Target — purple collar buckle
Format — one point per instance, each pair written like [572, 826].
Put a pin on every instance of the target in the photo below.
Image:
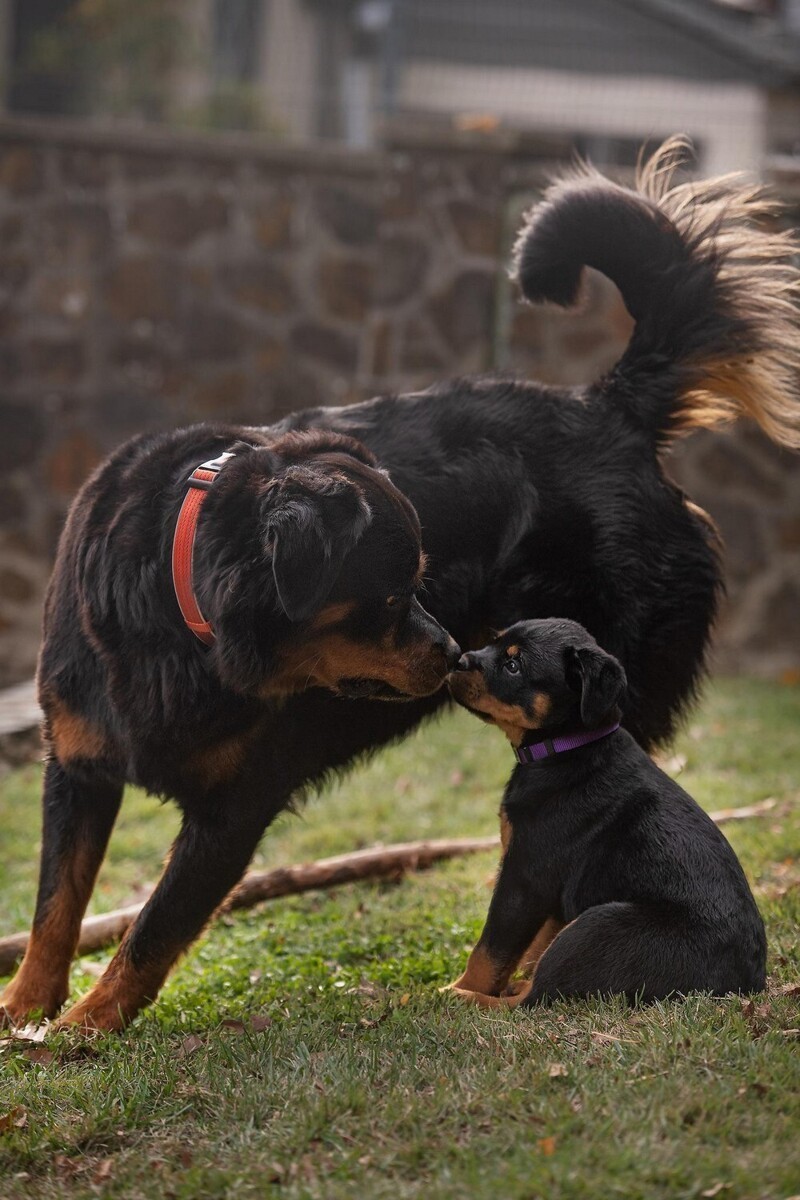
[550, 747]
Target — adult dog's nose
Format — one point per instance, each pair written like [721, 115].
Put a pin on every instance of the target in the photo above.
[452, 655]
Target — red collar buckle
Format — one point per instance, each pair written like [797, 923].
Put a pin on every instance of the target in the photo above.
[200, 481]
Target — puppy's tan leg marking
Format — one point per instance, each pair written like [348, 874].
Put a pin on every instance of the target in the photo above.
[483, 975]
[548, 932]
[513, 996]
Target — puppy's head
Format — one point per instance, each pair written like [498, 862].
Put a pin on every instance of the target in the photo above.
[334, 566]
[539, 675]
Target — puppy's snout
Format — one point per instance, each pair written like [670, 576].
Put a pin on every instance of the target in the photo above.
[467, 662]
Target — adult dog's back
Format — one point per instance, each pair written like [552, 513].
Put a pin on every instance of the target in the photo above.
[542, 501]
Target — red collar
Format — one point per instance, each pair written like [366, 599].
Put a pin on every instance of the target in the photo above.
[200, 480]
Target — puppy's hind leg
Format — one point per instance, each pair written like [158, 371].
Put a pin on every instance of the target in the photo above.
[620, 949]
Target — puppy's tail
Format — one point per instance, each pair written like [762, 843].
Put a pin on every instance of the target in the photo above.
[707, 275]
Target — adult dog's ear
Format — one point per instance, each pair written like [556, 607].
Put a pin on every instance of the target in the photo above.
[313, 518]
[599, 679]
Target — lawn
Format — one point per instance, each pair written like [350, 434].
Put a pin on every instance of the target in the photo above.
[302, 1048]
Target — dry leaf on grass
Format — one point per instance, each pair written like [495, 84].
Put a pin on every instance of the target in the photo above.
[757, 1016]
[716, 1189]
[39, 1054]
[26, 1033]
[547, 1146]
[557, 1070]
[102, 1171]
[15, 1117]
[66, 1166]
[191, 1044]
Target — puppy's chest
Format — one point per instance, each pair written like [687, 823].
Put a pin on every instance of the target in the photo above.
[539, 832]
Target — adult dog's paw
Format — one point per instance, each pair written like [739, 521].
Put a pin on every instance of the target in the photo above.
[97, 1012]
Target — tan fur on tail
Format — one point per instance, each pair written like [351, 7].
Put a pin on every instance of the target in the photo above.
[735, 225]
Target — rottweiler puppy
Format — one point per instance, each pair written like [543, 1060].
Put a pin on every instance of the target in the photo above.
[613, 880]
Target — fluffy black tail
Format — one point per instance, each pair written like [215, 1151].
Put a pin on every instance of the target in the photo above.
[708, 276]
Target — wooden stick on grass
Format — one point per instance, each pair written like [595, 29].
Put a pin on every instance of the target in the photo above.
[101, 931]
[375, 863]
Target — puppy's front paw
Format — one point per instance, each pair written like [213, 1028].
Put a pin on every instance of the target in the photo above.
[467, 996]
[516, 992]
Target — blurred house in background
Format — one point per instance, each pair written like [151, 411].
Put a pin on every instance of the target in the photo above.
[607, 75]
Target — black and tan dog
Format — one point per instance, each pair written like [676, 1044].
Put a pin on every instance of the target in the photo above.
[613, 880]
[305, 563]
[304, 574]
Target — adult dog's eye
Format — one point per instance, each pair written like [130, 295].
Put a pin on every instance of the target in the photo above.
[391, 601]
[512, 666]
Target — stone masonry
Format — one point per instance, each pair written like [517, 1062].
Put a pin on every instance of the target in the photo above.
[153, 279]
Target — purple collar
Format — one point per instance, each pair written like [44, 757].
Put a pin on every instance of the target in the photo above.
[570, 741]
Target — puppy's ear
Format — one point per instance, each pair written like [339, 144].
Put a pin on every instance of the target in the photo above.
[313, 518]
[599, 679]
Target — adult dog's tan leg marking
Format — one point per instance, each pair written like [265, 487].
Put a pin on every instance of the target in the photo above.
[42, 981]
[72, 736]
[207, 860]
[78, 818]
[116, 999]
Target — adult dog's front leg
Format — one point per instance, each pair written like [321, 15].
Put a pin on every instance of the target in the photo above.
[79, 809]
[207, 860]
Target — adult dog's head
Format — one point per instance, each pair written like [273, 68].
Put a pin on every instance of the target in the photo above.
[309, 565]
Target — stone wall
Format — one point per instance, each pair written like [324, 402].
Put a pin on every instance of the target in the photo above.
[148, 280]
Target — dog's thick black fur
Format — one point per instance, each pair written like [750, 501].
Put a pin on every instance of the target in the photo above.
[533, 501]
[613, 880]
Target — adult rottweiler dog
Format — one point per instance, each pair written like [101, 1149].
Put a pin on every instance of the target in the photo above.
[613, 880]
[304, 563]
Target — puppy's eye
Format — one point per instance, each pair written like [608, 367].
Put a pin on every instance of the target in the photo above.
[512, 666]
[391, 601]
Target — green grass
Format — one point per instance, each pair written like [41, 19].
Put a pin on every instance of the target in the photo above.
[368, 1082]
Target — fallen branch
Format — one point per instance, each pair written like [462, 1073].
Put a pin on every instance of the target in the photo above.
[101, 931]
[742, 813]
